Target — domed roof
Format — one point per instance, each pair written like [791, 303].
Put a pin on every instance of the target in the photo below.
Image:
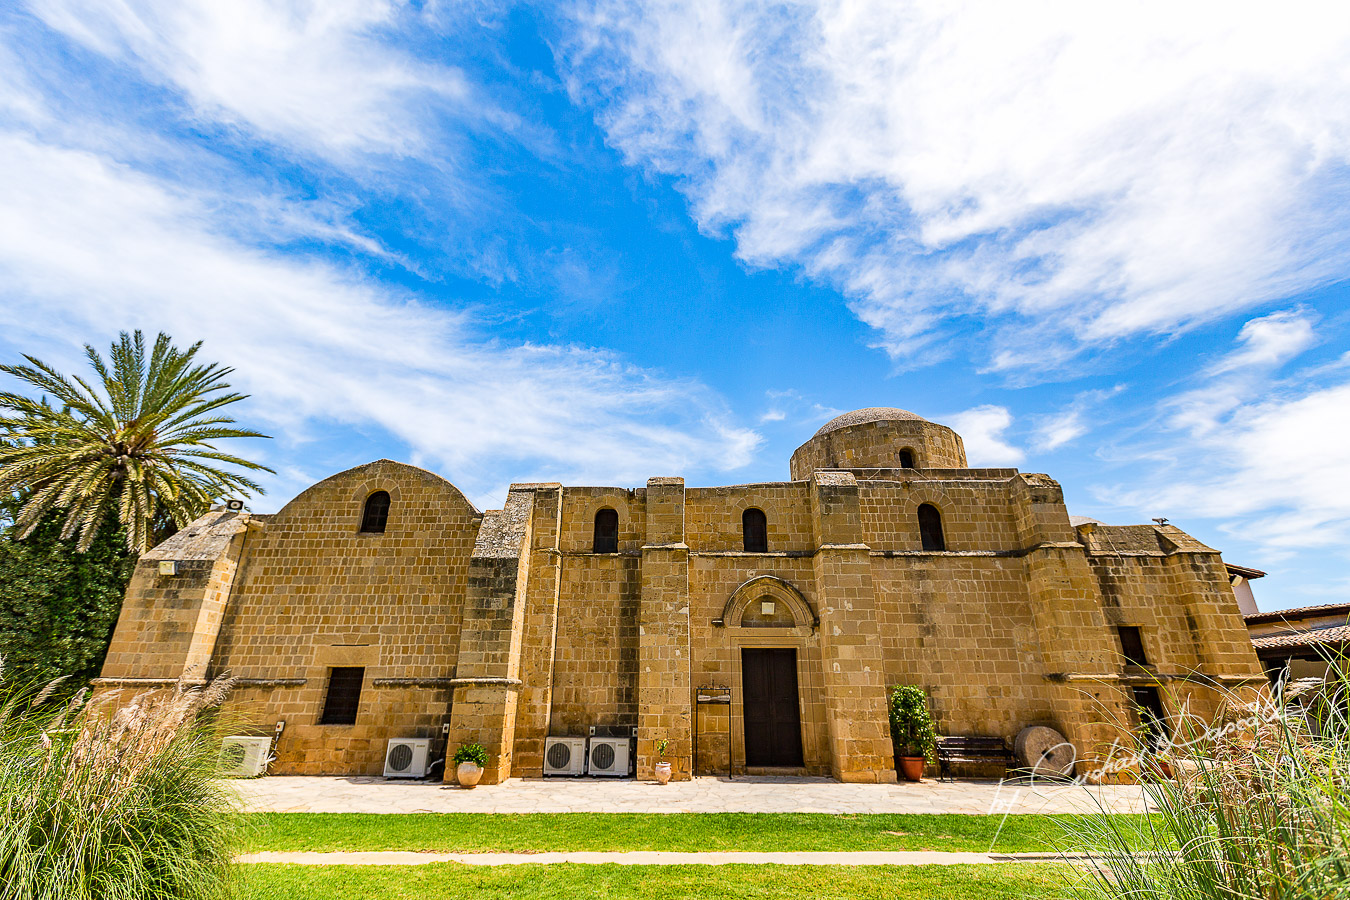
[871, 414]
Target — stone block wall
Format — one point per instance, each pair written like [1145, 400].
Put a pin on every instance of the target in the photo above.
[315, 593]
[713, 517]
[716, 646]
[595, 669]
[508, 627]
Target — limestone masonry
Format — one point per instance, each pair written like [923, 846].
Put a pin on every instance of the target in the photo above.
[381, 604]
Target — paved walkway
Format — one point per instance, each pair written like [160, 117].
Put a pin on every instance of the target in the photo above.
[649, 858]
[280, 793]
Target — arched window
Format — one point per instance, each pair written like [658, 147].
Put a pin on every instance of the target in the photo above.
[376, 515]
[755, 530]
[606, 532]
[906, 458]
[930, 528]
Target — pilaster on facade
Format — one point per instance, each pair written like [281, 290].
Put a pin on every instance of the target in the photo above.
[487, 673]
[665, 711]
[850, 639]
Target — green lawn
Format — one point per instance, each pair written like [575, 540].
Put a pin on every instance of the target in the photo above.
[446, 881]
[470, 832]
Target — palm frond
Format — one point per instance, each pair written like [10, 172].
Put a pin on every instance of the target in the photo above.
[135, 443]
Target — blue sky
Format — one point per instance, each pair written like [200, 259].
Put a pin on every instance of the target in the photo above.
[596, 243]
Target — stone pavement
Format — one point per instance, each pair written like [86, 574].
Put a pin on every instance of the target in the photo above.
[650, 858]
[764, 794]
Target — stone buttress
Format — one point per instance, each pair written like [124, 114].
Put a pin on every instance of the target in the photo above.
[487, 675]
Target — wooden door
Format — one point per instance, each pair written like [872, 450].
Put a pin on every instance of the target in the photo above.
[773, 725]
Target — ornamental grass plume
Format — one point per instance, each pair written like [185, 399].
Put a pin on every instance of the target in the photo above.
[105, 803]
[1254, 808]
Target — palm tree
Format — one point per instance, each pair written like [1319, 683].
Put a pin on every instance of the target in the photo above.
[140, 448]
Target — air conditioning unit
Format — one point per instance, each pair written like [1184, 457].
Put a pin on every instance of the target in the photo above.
[406, 757]
[565, 756]
[608, 756]
[244, 757]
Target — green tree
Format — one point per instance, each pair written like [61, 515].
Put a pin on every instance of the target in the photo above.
[135, 447]
[58, 606]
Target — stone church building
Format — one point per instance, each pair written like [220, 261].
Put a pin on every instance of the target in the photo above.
[381, 604]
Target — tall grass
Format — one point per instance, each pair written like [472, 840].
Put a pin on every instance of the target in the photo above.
[1258, 809]
[105, 803]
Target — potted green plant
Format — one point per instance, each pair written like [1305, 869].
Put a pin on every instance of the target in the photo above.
[470, 760]
[912, 730]
[662, 767]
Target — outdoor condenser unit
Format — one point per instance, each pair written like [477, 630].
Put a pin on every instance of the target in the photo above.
[244, 757]
[565, 756]
[608, 756]
[406, 757]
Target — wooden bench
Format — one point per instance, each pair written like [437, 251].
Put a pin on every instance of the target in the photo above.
[970, 749]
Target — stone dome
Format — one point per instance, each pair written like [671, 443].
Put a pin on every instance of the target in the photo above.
[870, 414]
[879, 439]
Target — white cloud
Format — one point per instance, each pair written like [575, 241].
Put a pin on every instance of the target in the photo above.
[88, 247]
[1268, 342]
[1267, 457]
[1275, 471]
[1077, 172]
[314, 75]
[983, 430]
[1061, 428]
[1055, 430]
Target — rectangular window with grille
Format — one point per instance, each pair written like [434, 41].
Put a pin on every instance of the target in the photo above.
[344, 695]
[1132, 645]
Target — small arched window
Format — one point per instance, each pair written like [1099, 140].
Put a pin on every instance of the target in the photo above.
[930, 528]
[755, 530]
[606, 532]
[906, 458]
[376, 514]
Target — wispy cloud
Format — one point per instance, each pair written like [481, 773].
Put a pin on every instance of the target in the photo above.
[1070, 173]
[1057, 429]
[320, 77]
[1269, 341]
[1265, 455]
[88, 246]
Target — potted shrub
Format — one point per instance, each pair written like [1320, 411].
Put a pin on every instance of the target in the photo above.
[662, 767]
[470, 760]
[912, 730]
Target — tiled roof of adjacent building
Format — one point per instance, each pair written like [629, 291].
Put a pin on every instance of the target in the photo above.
[871, 414]
[1298, 612]
[1339, 634]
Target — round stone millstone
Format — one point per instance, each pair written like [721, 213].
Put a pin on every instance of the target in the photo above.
[1044, 751]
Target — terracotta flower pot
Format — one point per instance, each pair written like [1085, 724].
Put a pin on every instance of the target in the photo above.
[468, 774]
[663, 773]
[911, 767]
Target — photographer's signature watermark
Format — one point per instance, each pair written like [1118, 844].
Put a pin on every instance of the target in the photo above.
[1023, 792]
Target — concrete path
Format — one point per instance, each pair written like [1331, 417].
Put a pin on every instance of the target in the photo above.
[761, 794]
[649, 858]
